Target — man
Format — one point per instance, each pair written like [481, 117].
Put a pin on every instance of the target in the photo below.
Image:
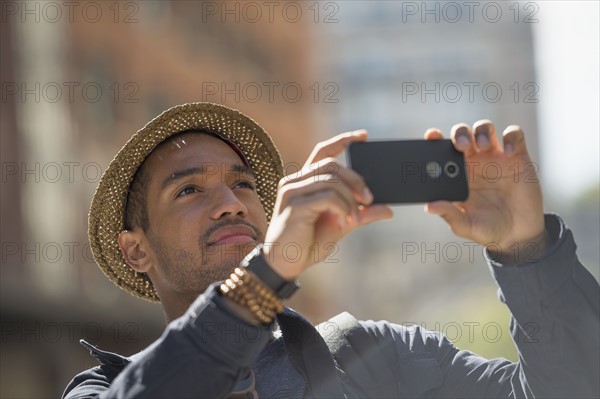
[192, 194]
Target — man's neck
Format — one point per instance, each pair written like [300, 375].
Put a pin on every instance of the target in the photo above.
[174, 308]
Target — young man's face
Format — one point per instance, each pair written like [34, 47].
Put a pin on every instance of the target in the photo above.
[203, 210]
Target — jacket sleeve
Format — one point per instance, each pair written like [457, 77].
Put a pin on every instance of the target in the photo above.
[555, 323]
[555, 306]
[201, 354]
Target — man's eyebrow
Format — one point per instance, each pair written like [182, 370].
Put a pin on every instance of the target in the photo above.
[180, 174]
[243, 169]
[201, 170]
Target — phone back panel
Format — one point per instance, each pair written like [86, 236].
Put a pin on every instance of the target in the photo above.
[410, 171]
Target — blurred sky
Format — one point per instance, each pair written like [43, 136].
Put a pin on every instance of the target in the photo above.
[567, 48]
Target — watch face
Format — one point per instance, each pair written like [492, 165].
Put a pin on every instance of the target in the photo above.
[257, 250]
[257, 264]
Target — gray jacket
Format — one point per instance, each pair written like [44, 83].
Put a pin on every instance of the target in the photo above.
[208, 352]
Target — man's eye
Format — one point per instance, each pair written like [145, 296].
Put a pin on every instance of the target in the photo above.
[244, 184]
[186, 191]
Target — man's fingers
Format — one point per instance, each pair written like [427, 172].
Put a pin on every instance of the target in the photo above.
[373, 213]
[463, 139]
[514, 141]
[433, 134]
[335, 145]
[331, 168]
[294, 193]
[485, 135]
[322, 202]
[451, 213]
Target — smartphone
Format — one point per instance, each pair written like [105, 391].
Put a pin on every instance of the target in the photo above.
[410, 171]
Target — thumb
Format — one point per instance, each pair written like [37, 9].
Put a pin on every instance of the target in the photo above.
[452, 214]
[373, 213]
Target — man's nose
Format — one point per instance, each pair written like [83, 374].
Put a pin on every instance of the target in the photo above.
[226, 203]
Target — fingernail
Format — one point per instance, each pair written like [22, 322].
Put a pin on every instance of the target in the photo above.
[367, 195]
[482, 140]
[508, 149]
[463, 141]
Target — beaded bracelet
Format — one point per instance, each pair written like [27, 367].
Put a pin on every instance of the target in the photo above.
[244, 290]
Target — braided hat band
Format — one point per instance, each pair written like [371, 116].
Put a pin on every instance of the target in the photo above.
[106, 219]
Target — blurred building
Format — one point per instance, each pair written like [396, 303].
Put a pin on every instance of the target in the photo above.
[403, 67]
[78, 80]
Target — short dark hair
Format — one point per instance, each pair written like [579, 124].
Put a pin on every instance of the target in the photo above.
[136, 204]
[136, 209]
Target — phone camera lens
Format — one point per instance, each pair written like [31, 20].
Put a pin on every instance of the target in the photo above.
[434, 170]
[451, 169]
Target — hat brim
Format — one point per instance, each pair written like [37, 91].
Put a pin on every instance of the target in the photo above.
[106, 219]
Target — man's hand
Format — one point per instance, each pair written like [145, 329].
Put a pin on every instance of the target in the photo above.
[316, 207]
[504, 211]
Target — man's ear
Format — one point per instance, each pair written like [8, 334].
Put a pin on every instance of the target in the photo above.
[130, 243]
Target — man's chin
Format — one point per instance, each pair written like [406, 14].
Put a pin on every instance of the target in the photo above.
[228, 253]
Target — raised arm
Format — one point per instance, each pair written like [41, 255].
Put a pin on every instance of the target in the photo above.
[553, 299]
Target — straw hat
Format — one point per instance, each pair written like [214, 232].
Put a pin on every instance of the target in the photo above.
[107, 212]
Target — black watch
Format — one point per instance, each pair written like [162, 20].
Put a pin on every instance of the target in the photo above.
[255, 262]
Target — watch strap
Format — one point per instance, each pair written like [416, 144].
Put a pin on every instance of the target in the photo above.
[256, 263]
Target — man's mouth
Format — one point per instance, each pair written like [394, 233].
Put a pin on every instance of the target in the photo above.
[236, 234]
